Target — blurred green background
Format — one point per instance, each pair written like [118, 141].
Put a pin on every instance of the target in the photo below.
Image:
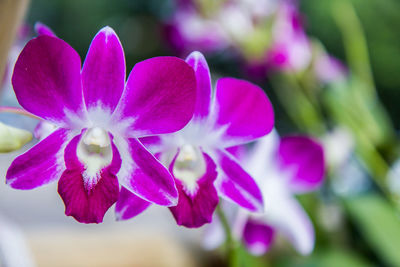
[371, 228]
[138, 25]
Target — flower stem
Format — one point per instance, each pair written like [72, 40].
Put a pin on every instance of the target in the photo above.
[19, 111]
[231, 245]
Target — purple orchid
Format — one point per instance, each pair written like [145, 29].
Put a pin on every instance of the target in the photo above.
[99, 118]
[291, 48]
[329, 69]
[212, 27]
[188, 31]
[282, 168]
[238, 112]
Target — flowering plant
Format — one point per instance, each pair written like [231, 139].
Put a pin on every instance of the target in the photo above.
[237, 113]
[94, 149]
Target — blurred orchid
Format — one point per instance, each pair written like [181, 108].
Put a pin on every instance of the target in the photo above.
[238, 112]
[282, 168]
[213, 26]
[290, 49]
[329, 69]
[188, 31]
[267, 34]
[99, 117]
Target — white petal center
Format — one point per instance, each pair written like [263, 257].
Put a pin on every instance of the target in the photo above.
[95, 152]
[189, 167]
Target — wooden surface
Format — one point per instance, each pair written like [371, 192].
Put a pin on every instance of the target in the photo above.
[109, 248]
[11, 15]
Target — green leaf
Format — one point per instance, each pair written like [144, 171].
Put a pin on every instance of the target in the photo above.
[379, 223]
[333, 258]
[245, 259]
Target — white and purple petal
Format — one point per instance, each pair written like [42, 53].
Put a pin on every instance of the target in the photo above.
[242, 110]
[103, 73]
[203, 99]
[257, 236]
[47, 80]
[42, 29]
[42, 164]
[159, 97]
[142, 174]
[214, 235]
[290, 219]
[129, 205]
[304, 158]
[88, 202]
[235, 184]
[43, 129]
[196, 207]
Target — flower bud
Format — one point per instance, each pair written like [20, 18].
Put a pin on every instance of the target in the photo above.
[12, 138]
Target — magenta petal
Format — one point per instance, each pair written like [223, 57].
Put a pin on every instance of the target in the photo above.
[42, 29]
[142, 174]
[293, 222]
[160, 96]
[150, 141]
[258, 236]
[305, 157]
[47, 79]
[195, 209]
[40, 165]
[243, 110]
[103, 73]
[239, 152]
[236, 184]
[87, 204]
[203, 99]
[129, 205]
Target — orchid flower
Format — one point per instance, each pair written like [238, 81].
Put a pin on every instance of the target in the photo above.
[214, 26]
[188, 31]
[329, 69]
[291, 48]
[282, 168]
[236, 113]
[95, 149]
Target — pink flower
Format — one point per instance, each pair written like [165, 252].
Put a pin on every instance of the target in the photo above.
[236, 113]
[99, 117]
[189, 30]
[329, 69]
[291, 49]
[282, 168]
